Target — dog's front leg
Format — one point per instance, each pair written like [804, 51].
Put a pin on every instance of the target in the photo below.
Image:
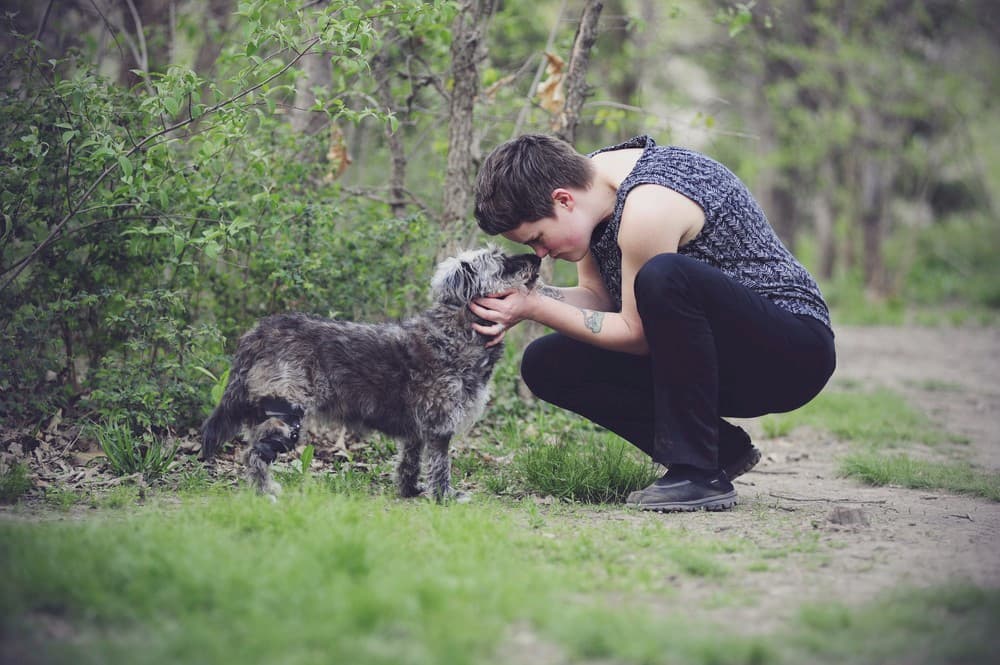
[439, 467]
[408, 469]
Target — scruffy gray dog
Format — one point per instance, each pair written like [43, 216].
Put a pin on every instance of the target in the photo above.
[421, 381]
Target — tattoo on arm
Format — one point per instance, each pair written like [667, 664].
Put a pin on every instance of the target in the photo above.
[593, 320]
[551, 292]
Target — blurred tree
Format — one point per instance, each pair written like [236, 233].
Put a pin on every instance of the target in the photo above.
[848, 98]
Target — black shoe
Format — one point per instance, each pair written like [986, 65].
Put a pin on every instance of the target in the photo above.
[686, 489]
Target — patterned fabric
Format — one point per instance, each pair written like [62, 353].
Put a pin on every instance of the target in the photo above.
[736, 238]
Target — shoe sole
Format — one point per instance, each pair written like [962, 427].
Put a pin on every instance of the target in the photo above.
[716, 503]
[742, 465]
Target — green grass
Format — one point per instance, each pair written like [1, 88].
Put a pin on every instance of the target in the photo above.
[904, 471]
[880, 422]
[917, 627]
[880, 418]
[14, 482]
[325, 577]
[586, 466]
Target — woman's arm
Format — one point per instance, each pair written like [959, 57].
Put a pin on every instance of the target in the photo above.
[589, 291]
[655, 220]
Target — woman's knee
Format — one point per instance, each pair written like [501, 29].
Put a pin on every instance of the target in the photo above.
[664, 279]
[539, 364]
[552, 362]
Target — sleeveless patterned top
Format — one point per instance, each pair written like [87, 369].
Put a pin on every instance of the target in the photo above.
[736, 238]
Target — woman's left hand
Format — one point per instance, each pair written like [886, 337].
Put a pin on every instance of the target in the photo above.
[503, 310]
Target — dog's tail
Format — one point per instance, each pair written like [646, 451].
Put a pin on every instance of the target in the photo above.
[234, 409]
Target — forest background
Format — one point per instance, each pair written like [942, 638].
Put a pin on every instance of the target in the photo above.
[172, 170]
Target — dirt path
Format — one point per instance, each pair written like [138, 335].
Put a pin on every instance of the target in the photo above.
[912, 538]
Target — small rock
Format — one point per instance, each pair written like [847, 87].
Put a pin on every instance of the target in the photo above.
[848, 516]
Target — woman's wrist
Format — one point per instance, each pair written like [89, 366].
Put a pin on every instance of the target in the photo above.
[533, 304]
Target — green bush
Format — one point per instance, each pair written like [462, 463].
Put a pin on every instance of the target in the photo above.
[153, 381]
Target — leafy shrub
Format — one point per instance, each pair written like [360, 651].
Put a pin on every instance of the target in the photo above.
[154, 381]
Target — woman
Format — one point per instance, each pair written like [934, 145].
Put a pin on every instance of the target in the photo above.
[687, 308]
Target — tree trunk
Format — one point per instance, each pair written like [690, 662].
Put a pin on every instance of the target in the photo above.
[397, 152]
[576, 72]
[217, 15]
[873, 208]
[467, 49]
[876, 175]
[576, 88]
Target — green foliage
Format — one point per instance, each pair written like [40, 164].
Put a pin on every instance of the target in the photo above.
[153, 380]
[952, 261]
[14, 482]
[135, 253]
[128, 453]
[306, 459]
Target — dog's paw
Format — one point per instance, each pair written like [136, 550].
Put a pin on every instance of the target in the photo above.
[451, 495]
[273, 489]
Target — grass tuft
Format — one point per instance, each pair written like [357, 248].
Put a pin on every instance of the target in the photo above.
[595, 469]
[128, 454]
[881, 418]
[14, 482]
[904, 471]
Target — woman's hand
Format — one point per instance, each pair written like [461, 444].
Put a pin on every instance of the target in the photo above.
[503, 310]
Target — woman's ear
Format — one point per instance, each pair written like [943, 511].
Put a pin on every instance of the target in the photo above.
[562, 198]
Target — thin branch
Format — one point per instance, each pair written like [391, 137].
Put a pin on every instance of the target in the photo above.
[576, 71]
[19, 266]
[822, 499]
[523, 113]
[114, 34]
[143, 51]
[45, 20]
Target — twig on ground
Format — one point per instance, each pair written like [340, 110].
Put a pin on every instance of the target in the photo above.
[823, 499]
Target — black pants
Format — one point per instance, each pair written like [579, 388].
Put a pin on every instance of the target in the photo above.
[715, 349]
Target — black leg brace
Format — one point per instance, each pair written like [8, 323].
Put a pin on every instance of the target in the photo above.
[277, 442]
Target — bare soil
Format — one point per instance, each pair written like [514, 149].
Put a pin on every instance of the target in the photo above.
[836, 539]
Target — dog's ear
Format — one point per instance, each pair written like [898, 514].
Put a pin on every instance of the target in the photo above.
[453, 281]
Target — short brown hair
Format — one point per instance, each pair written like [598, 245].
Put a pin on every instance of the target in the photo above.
[516, 181]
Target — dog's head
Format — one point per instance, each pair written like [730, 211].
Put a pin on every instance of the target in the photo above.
[480, 272]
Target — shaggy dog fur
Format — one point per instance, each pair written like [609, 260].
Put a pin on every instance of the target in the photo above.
[422, 380]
